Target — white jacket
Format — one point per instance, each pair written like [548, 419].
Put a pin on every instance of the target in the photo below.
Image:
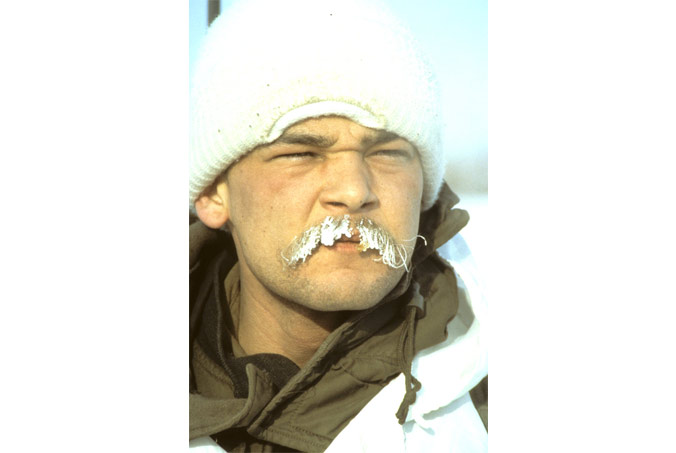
[443, 417]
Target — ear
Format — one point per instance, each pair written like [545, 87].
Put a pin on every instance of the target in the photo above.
[212, 206]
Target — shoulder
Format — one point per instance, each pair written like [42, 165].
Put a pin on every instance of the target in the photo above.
[453, 427]
[446, 415]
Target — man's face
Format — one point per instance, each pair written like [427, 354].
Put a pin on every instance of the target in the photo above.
[322, 167]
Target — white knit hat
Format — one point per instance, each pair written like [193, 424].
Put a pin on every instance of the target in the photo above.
[268, 64]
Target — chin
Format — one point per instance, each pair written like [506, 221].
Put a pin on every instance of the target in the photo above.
[343, 289]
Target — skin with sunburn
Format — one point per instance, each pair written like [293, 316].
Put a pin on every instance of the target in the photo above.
[322, 167]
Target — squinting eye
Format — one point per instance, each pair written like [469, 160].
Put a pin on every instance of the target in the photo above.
[392, 153]
[304, 155]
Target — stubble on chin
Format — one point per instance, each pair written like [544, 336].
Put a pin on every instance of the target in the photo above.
[329, 293]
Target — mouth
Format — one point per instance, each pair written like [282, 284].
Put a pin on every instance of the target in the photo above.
[346, 244]
[347, 235]
[352, 239]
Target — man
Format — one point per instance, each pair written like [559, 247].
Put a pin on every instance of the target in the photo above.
[321, 317]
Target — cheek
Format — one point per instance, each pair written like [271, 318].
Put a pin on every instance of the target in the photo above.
[253, 193]
[415, 183]
[263, 201]
[400, 196]
[403, 189]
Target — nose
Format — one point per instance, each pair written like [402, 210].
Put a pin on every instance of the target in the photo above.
[347, 184]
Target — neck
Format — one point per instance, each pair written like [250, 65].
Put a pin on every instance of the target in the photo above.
[270, 324]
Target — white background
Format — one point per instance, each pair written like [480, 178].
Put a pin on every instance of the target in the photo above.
[93, 247]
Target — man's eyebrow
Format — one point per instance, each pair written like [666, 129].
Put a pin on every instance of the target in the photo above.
[381, 136]
[320, 141]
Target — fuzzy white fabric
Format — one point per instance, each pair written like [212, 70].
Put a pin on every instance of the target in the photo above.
[268, 64]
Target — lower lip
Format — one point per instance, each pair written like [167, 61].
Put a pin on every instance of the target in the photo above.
[345, 246]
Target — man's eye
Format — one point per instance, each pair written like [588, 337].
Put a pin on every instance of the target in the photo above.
[296, 156]
[391, 153]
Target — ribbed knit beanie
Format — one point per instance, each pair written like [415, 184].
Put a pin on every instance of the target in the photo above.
[268, 64]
